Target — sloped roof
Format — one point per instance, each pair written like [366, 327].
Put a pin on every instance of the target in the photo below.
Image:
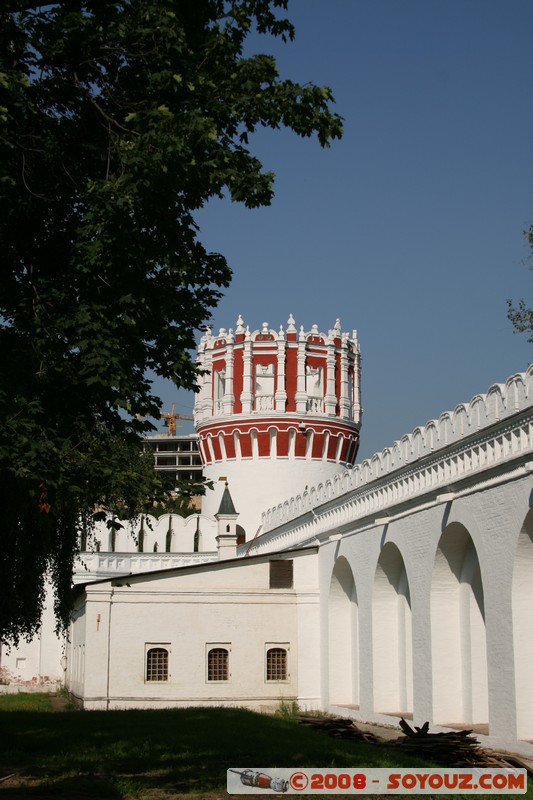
[226, 503]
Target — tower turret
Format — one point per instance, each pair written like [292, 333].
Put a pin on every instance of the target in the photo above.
[277, 411]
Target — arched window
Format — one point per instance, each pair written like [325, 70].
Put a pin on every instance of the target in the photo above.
[276, 664]
[168, 537]
[218, 664]
[157, 664]
[140, 541]
[197, 534]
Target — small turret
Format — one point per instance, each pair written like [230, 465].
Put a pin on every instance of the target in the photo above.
[226, 518]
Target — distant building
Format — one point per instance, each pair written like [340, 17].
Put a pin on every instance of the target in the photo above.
[178, 454]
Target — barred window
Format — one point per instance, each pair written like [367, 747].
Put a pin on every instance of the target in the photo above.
[218, 664]
[276, 664]
[157, 664]
[281, 574]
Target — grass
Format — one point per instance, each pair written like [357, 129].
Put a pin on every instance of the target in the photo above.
[26, 702]
[158, 755]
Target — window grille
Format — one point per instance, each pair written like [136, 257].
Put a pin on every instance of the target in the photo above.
[276, 664]
[217, 664]
[281, 574]
[157, 664]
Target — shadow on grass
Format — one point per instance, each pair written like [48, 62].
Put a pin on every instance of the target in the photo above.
[162, 755]
[156, 753]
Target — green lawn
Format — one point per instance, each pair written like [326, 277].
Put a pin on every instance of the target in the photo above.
[157, 755]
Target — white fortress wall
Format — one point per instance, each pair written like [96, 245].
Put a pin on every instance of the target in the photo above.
[470, 448]
[425, 559]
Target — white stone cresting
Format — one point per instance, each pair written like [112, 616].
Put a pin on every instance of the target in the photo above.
[474, 436]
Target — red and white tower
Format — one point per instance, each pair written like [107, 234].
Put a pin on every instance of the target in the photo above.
[277, 411]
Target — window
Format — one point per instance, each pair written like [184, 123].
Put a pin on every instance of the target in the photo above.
[157, 664]
[220, 389]
[165, 461]
[276, 664]
[264, 387]
[218, 664]
[314, 384]
[281, 574]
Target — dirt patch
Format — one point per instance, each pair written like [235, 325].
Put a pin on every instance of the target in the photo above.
[60, 702]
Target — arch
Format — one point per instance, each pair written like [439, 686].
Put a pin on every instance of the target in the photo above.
[516, 392]
[276, 664]
[365, 471]
[417, 443]
[222, 445]
[529, 381]
[432, 436]
[458, 640]
[460, 422]
[522, 600]
[386, 460]
[397, 457]
[392, 634]
[169, 535]
[376, 464]
[292, 443]
[241, 535]
[140, 536]
[405, 447]
[273, 442]
[309, 439]
[254, 440]
[156, 668]
[477, 412]
[445, 428]
[218, 664]
[495, 403]
[343, 636]
[325, 445]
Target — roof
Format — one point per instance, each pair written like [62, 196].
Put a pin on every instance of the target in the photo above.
[226, 504]
[239, 561]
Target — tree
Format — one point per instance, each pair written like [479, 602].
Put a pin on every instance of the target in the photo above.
[521, 316]
[119, 119]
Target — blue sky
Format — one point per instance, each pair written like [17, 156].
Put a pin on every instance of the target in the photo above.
[410, 229]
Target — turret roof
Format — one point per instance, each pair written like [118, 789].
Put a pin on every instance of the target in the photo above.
[226, 503]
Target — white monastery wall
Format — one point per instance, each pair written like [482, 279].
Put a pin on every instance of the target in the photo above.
[426, 567]
[175, 611]
[37, 663]
[461, 427]
[168, 533]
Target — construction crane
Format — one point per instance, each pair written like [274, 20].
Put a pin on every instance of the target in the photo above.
[170, 420]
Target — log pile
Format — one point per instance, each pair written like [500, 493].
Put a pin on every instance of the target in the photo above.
[453, 748]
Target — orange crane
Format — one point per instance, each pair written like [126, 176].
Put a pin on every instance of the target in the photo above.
[170, 420]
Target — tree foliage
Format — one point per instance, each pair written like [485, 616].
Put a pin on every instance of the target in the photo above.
[521, 315]
[119, 119]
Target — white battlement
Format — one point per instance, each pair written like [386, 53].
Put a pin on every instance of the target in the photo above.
[454, 427]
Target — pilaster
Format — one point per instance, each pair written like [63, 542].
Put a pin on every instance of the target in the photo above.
[229, 399]
[281, 394]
